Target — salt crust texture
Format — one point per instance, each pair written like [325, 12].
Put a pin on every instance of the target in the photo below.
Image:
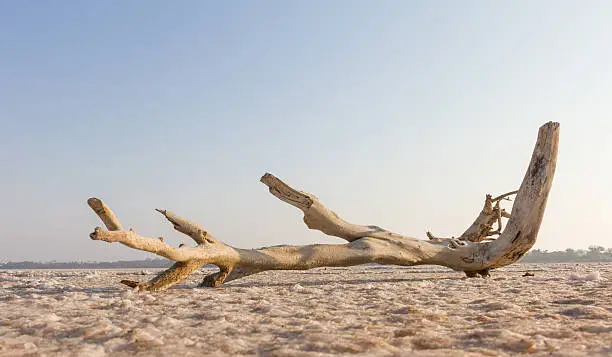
[564, 310]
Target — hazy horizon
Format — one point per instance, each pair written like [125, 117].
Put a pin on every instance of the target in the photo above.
[394, 113]
[153, 261]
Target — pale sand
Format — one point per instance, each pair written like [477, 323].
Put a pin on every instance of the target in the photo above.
[564, 310]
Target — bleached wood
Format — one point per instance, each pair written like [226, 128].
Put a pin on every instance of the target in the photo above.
[482, 227]
[106, 215]
[192, 229]
[366, 243]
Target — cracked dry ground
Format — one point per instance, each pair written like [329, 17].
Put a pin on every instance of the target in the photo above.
[563, 310]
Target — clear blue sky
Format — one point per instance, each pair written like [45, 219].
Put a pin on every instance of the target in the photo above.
[397, 113]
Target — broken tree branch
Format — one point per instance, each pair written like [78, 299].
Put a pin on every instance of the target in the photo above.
[482, 228]
[106, 215]
[317, 216]
[192, 229]
[366, 243]
[504, 196]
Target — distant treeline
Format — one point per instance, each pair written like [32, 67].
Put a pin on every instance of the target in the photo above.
[592, 254]
[122, 264]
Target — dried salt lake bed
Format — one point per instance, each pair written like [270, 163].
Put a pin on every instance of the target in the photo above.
[564, 310]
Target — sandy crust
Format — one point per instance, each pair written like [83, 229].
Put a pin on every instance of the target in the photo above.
[564, 310]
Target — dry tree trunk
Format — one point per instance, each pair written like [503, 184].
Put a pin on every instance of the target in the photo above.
[474, 252]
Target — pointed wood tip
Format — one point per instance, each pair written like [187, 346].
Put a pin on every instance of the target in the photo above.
[130, 283]
[267, 178]
[94, 202]
[94, 235]
[549, 127]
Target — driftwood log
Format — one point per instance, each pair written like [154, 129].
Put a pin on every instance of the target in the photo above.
[475, 252]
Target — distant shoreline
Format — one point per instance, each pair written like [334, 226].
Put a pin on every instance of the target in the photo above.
[536, 257]
[122, 264]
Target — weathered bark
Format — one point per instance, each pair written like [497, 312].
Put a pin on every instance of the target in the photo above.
[366, 244]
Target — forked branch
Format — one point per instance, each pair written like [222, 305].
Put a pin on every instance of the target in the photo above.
[470, 252]
[482, 228]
